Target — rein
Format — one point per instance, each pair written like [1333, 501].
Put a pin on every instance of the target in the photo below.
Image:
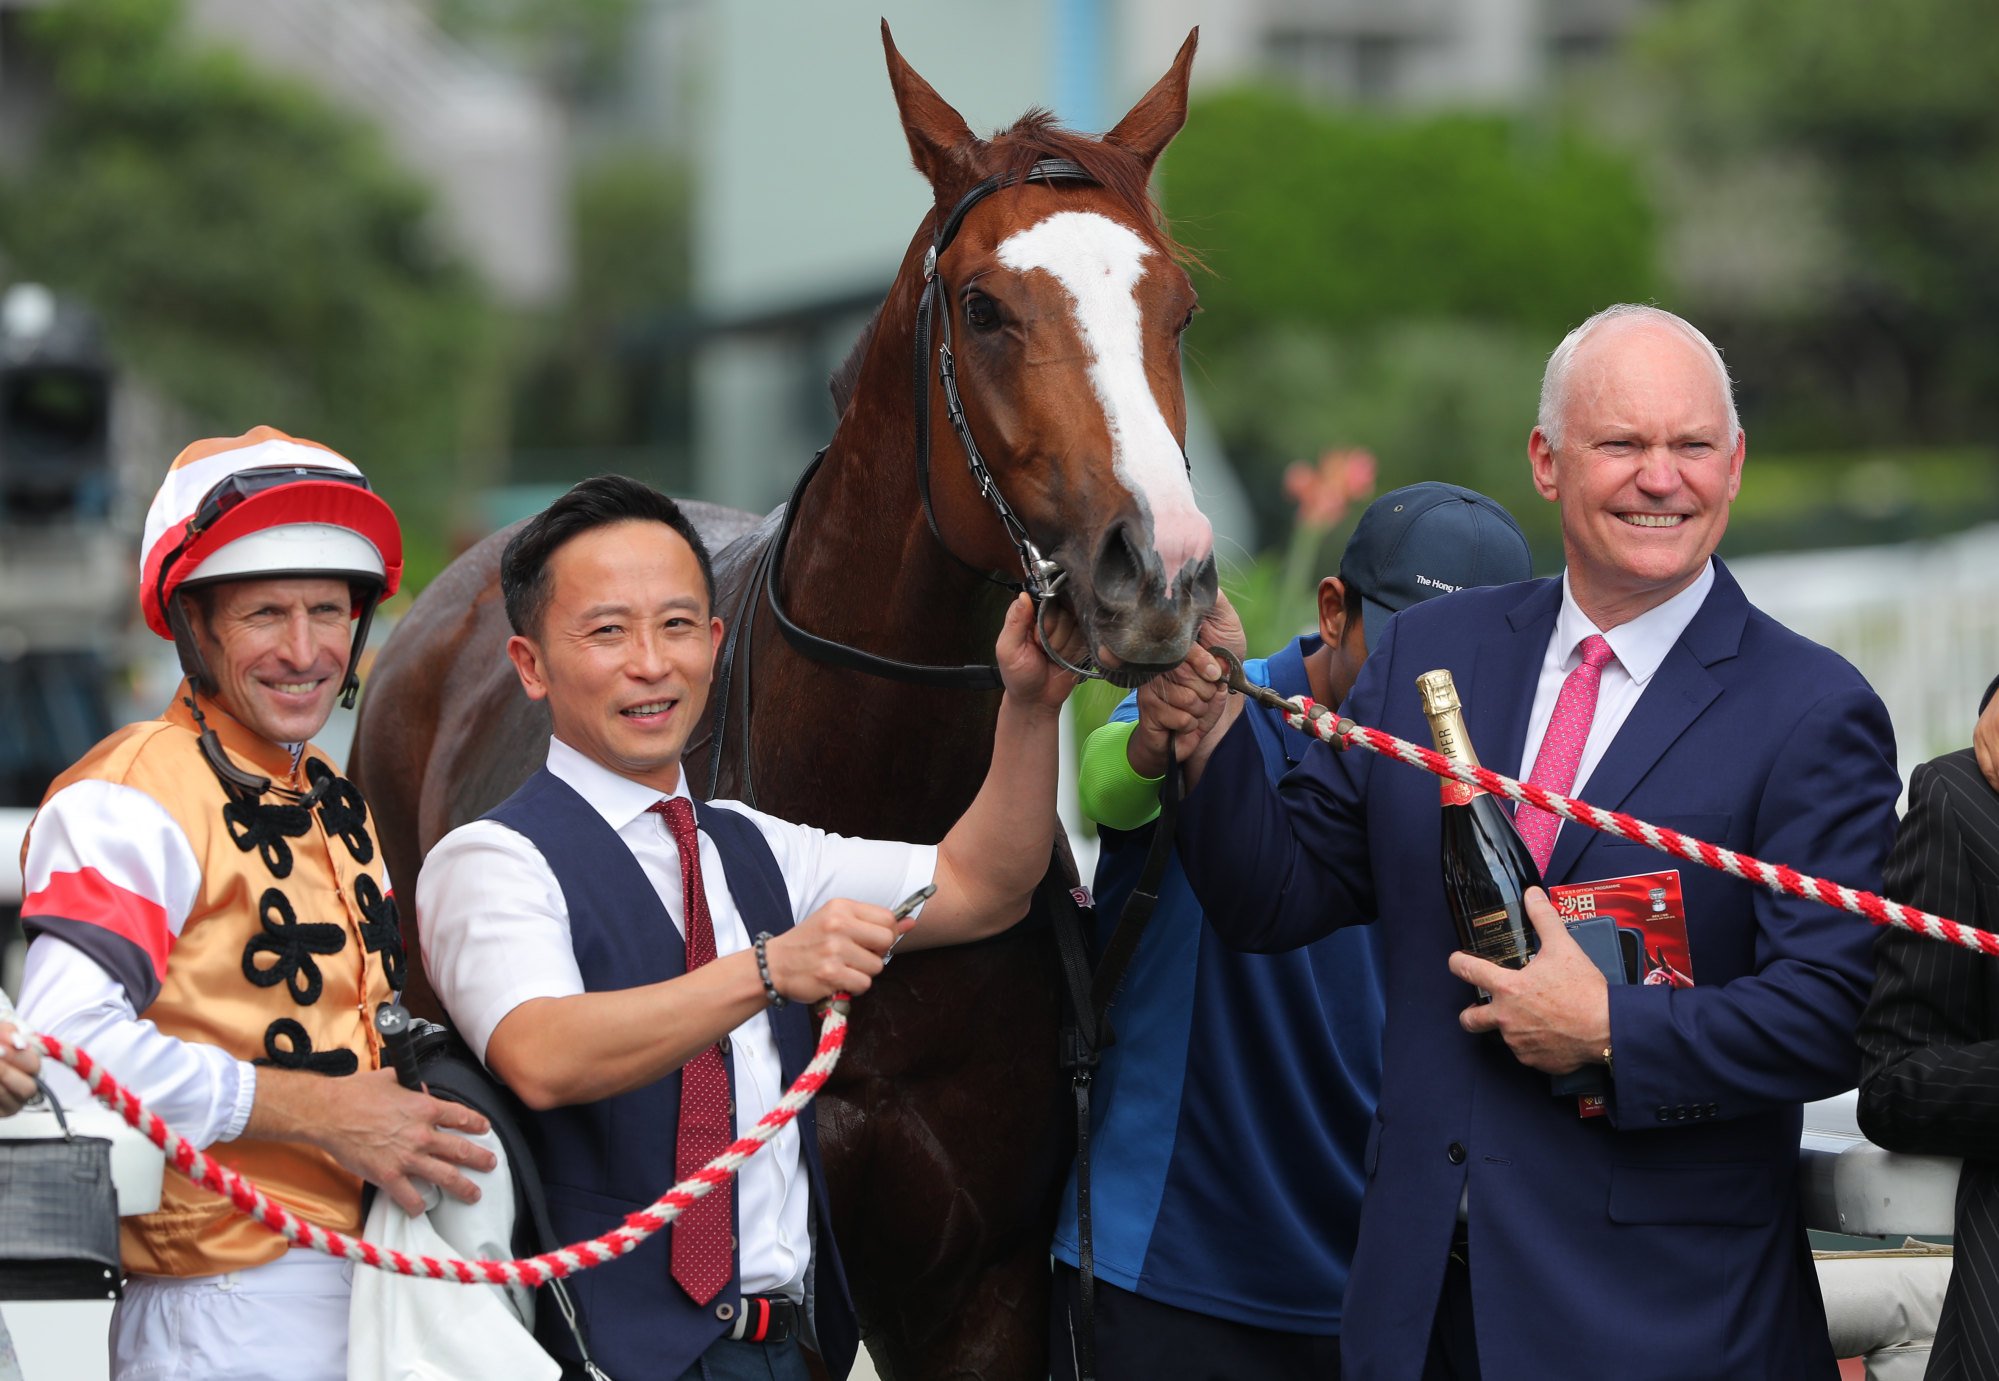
[977, 676]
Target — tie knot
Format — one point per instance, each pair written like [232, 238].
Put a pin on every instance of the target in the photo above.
[678, 812]
[1596, 652]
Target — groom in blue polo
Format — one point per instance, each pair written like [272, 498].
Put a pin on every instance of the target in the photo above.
[1232, 1111]
[638, 968]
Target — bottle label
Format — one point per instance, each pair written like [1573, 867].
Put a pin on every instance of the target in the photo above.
[1493, 937]
[1457, 793]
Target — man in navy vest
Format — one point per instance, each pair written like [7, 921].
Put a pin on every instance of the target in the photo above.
[639, 970]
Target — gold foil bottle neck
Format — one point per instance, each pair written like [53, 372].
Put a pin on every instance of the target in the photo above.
[1446, 715]
[1439, 692]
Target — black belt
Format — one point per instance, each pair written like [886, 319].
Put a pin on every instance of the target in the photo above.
[765, 1319]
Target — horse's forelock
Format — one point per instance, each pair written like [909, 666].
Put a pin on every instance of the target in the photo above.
[1011, 152]
[1036, 135]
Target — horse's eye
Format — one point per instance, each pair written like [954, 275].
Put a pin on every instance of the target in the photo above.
[982, 313]
[1189, 320]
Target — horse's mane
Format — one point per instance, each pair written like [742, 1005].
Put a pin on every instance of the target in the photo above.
[849, 372]
[1011, 152]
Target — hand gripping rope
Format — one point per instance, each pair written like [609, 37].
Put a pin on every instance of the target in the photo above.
[1303, 713]
[531, 1271]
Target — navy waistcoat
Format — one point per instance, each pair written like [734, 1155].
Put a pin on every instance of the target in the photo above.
[601, 1161]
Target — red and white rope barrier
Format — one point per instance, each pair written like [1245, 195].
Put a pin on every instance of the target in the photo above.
[1315, 719]
[529, 1271]
[1300, 712]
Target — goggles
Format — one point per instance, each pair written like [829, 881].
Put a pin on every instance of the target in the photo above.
[233, 489]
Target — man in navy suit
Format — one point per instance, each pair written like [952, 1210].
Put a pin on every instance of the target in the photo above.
[1503, 1234]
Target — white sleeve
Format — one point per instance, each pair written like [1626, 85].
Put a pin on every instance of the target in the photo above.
[202, 1091]
[494, 928]
[818, 867]
[110, 880]
[110, 871]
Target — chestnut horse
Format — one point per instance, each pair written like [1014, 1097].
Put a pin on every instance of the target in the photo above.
[945, 1131]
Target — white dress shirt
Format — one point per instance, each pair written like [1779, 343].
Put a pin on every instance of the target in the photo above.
[1640, 648]
[495, 933]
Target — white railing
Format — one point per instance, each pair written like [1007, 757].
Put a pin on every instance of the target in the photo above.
[1920, 620]
[13, 830]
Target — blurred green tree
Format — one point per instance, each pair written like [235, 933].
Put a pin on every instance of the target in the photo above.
[576, 47]
[595, 376]
[1837, 163]
[1394, 282]
[254, 253]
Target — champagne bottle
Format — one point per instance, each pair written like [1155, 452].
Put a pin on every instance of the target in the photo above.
[1487, 868]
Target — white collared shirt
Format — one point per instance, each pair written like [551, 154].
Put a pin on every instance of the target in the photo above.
[495, 933]
[1640, 648]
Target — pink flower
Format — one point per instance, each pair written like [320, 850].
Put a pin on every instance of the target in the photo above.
[1325, 491]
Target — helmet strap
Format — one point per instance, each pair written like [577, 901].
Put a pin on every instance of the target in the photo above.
[351, 687]
[199, 678]
[235, 781]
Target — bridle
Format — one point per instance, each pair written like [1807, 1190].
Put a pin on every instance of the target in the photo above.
[1041, 577]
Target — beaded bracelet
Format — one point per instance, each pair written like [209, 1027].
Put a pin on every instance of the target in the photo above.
[771, 994]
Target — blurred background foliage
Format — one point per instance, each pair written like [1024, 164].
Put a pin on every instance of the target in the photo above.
[254, 253]
[1393, 282]
[1815, 181]
[594, 379]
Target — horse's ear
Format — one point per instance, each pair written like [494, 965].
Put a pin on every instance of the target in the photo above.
[1151, 124]
[940, 141]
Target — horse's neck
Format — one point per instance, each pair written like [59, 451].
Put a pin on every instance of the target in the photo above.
[855, 752]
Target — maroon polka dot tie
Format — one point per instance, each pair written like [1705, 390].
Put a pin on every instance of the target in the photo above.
[1562, 747]
[703, 1255]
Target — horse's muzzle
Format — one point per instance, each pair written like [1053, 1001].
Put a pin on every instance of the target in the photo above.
[1132, 612]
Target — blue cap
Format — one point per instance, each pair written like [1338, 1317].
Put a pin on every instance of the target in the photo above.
[1429, 539]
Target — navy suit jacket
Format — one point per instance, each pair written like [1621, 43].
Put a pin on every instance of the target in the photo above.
[1665, 1239]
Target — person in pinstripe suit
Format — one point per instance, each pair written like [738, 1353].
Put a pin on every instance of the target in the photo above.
[1985, 738]
[1929, 1038]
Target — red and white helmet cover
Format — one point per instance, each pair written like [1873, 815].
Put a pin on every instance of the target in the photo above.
[303, 527]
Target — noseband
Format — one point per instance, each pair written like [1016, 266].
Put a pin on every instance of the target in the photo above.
[1041, 578]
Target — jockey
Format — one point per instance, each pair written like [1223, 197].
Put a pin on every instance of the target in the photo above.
[207, 915]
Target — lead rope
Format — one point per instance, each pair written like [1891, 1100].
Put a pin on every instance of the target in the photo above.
[1303, 713]
[530, 1272]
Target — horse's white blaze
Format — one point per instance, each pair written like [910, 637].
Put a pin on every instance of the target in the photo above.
[1099, 263]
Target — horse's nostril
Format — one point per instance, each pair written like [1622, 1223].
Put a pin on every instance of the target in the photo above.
[1202, 581]
[1119, 570]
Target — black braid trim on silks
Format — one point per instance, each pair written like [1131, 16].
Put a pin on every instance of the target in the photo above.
[341, 810]
[382, 930]
[254, 825]
[298, 1053]
[293, 946]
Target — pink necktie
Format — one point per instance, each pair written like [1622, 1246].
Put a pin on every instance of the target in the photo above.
[703, 1259]
[1562, 747]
